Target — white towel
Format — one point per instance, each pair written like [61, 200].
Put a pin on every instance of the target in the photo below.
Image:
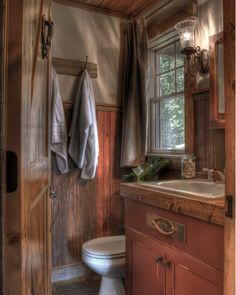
[59, 132]
[84, 146]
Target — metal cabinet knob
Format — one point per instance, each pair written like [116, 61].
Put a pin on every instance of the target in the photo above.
[159, 259]
[166, 263]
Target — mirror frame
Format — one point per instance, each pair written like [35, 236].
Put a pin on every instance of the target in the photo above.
[217, 118]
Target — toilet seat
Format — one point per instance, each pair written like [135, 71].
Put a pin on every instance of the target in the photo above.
[105, 247]
[106, 257]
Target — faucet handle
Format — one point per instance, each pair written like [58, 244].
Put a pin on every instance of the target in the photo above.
[210, 173]
[207, 170]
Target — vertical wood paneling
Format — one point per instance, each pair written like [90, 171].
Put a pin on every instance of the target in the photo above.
[56, 226]
[94, 208]
[72, 229]
[210, 143]
[229, 82]
[100, 176]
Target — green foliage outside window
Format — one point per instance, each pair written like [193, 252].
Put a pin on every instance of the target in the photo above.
[169, 112]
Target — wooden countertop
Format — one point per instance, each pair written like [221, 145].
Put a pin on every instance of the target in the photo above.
[209, 210]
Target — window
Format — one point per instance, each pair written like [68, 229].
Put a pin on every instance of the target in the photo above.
[166, 116]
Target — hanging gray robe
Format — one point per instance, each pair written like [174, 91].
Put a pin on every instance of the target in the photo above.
[58, 129]
[84, 146]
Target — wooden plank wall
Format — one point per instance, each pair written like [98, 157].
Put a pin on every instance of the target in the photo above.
[94, 208]
[209, 143]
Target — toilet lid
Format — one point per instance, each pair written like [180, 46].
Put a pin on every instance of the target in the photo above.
[106, 246]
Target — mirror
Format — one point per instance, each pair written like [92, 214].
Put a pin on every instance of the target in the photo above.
[216, 64]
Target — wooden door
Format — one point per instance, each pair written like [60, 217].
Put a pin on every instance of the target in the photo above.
[229, 79]
[27, 248]
[186, 275]
[145, 273]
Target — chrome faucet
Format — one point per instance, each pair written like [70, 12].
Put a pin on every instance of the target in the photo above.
[210, 174]
[221, 175]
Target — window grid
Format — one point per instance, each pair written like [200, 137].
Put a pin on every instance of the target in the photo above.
[158, 75]
[157, 97]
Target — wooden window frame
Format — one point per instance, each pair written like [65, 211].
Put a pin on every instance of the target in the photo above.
[157, 44]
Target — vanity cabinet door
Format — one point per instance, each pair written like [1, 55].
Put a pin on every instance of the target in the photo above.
[145, 273]
[186, 275]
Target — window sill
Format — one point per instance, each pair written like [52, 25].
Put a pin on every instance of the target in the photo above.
[175, 159]
[166, 155]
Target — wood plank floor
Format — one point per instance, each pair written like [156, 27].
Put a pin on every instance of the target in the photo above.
[82, 287]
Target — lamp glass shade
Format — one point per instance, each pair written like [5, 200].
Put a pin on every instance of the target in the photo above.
[186, 32]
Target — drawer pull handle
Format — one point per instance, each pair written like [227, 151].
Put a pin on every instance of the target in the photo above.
[164, 226]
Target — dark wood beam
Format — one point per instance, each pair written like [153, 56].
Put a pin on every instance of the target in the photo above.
[78, 4]
[73, 67]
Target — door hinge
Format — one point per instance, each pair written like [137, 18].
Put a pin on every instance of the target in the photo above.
[229, 206]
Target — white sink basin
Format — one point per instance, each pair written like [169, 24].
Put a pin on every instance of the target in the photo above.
[195, 187]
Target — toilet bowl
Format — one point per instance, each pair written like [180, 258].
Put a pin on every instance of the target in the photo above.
[106, 256]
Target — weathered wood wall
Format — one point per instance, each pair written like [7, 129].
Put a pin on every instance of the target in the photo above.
[209, 143]
[94, 208]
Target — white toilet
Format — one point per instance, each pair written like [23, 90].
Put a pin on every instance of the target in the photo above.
[106, 256]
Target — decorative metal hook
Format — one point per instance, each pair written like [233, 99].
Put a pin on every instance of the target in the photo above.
[85, 63]
[47, 34]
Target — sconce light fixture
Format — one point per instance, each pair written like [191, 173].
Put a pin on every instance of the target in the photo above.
[197, 58]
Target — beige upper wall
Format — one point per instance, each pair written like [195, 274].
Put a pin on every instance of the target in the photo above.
[210, 13]
[79, 33]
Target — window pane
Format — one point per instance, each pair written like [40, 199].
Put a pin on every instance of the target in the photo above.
[180, 80]
[167, 83]
[155, 124]
[171, 123]
[179, 56]
[167, 59]
[167, 113]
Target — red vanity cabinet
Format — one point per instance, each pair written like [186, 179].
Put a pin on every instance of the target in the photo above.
[159, 264]
[145, 274]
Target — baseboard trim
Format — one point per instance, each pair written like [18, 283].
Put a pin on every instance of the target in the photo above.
[69, 272]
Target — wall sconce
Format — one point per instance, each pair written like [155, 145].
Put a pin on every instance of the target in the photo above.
[197, 58]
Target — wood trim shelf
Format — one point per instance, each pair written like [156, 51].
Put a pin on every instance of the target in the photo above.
[73, 67]
[200, 90]
[201, 94]
[102, 107]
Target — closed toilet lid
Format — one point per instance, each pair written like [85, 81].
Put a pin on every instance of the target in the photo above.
[107, 246]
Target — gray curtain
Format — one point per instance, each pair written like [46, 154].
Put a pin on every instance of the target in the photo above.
[134, 95]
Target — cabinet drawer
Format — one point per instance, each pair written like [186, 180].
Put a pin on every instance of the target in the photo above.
[202, 240]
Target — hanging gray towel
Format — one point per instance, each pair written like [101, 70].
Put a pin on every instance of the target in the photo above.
[84, 146]
[59, 132]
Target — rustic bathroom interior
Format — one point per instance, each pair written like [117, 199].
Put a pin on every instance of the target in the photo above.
[139, 164]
